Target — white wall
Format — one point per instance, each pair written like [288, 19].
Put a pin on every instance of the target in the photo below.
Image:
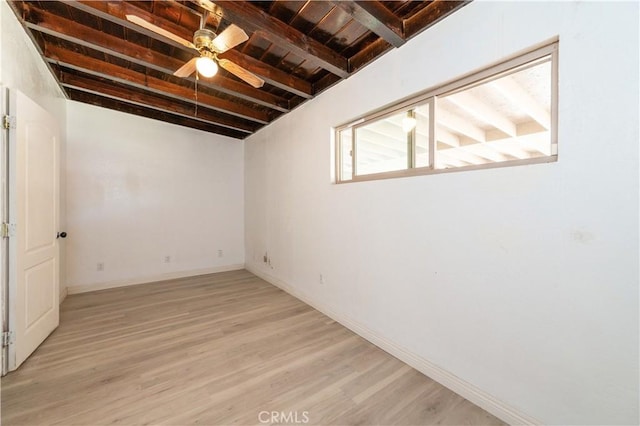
[22, 68]
[139, 190]
[522, 282]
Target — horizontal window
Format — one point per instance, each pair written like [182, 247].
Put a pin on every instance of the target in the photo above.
[504, 115]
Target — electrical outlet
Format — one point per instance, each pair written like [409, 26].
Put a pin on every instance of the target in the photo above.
[321, 279]
[100, 266]
[265, 258]
[220, 253]
[167, 259]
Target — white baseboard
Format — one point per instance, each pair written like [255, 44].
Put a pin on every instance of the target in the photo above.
[63, 295]
[465, 389]
[75, 289]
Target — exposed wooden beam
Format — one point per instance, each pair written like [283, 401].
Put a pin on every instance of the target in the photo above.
[433, 13]
[66, 29]
[128, 95]
[116, 12]
[460, 125]
[485, 150]
[537, 141]
[510, 147]
[482, 111]
[368, 54]
[98, 68]
[376, 17]
[105, 102]
[386, 128]
[511, 90]
[443, 159]
[251, 18]
[324, 83]
[445, 136]
[392, 148]
[369, 157]
[462, 155]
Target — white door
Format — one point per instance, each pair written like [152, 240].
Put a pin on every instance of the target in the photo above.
[33, 208]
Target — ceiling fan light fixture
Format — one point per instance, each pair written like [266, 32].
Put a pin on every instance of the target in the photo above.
[206, 66]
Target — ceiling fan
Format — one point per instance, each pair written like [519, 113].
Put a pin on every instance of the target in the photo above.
[209, 45]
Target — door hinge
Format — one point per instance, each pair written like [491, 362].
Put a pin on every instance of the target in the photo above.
[7, 338]
[8, 122]
[7, 230]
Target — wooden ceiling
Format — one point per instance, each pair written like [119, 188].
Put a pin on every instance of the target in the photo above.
[299, 48]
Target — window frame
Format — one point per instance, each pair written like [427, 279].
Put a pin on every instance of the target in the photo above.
[501, 69]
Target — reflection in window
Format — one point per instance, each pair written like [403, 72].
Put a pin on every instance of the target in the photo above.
[506, 118]
[504, 114]
[381, 146]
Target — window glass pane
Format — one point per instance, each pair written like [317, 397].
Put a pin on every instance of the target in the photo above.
[421, 114]
[502, 119]
[345, 154]
[381, 146]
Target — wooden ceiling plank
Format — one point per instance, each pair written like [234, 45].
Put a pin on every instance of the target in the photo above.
[324, 83]
[59, 55]
[368, 54]
[66, 29]
[310, 16]
[286, 10]
[104, 102]
[334, 21]
[116, 12]
[436, 11]
[74, 81]
[377, 18]
[251, 18]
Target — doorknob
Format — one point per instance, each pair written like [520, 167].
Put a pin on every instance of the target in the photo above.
[61, 235]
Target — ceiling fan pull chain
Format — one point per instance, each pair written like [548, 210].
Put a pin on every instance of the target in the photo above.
[197, 78]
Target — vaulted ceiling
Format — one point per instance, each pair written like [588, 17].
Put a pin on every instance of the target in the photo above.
[100, 55]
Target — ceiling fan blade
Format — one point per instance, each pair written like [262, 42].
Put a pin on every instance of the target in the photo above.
[156, 29]
[232, 36]
[187, 69]
[241, 73]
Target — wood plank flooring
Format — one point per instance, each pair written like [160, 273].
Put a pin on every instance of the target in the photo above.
[218, 349]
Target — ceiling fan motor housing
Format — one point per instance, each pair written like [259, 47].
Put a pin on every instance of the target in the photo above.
[203, 39]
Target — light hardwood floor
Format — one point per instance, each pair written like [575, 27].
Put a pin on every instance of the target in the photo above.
[216, 349]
